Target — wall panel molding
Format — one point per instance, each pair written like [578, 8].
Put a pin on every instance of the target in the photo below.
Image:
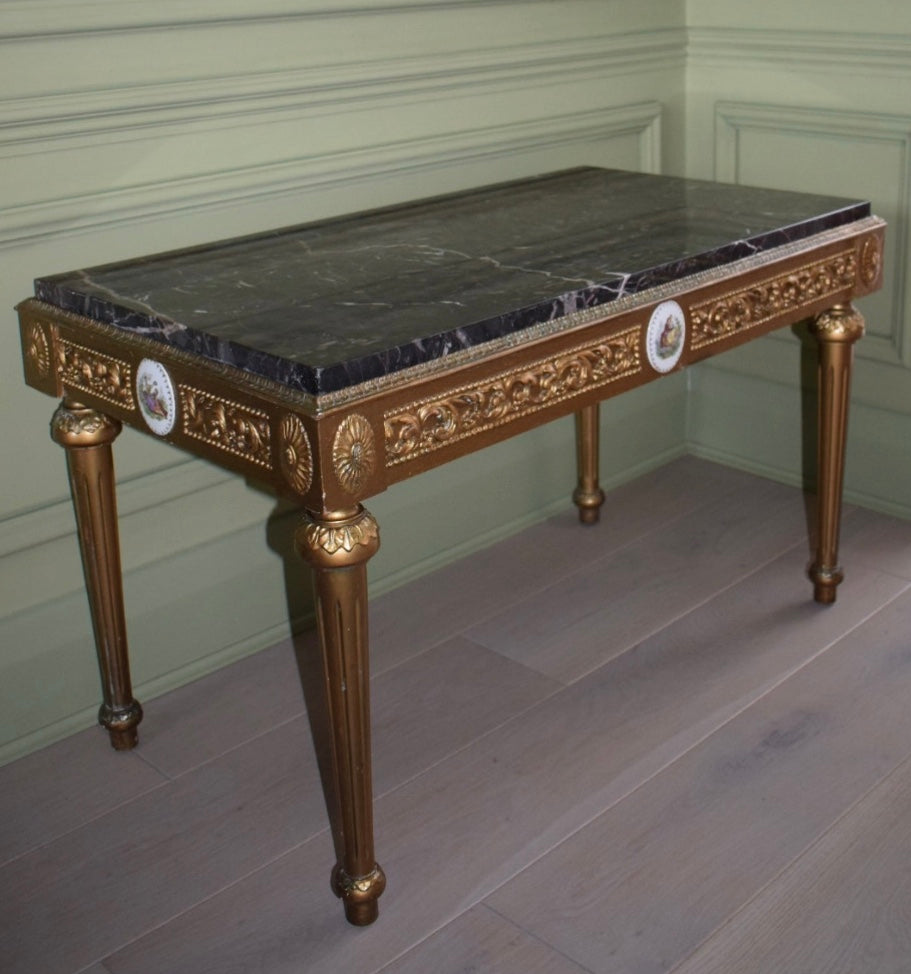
[801, 49]
[21, 19]
[315, 171]
[162, 515]
[887, 342]
[119, 111]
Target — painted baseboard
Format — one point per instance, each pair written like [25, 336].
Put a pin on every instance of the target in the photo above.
[757, 425]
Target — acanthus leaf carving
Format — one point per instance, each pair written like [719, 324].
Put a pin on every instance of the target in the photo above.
[227, 425]
[429, 425]
[749, 307]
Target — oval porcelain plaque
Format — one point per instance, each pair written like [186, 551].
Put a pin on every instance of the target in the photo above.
[155, 392]
[666, 336]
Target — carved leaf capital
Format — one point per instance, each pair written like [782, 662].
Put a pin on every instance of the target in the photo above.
[338, 544]
[839, 324]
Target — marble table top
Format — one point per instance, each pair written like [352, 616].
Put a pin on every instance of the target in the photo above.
[325, 306]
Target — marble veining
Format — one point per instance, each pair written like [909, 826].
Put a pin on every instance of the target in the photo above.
[326, 306]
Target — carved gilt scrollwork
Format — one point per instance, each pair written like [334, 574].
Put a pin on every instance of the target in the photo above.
[746, 308]
[429, 425]
[354, 453]
[101, 375]
[226, 425]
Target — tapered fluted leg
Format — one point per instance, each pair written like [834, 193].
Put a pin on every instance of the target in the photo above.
[338, 546]
[836, 332]
[87, 436]
[588, 496]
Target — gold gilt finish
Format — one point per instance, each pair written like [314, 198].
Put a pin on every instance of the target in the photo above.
[354, 453]
[836, 332]
[325, 450]
[422, 427]
[338, 545]
[345, 534]
[871, 258]
[295, 458]
[226, 425]
[87, 436]
[37, 350]
[87, 370]
[588, 496]
[745, 308]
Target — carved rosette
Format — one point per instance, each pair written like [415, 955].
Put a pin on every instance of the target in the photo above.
[338, 544]
[353, 453]
[870, 260]
[741, 310]
[226, 425]
[295, 457]
[37, 350]
[101, 375]
[426, 426]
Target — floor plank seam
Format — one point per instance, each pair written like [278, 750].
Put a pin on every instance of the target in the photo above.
[88, 821]
[300, 715]
[140, 935]
[169, 780]
[790, 651]
[733, 715]
[689, 610]
[314, 836]
[469, 744]
[544, 943]
[480, 900]
[552, 580]
[792, 863]
[428, 936]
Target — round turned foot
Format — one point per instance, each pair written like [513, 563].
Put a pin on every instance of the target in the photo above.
[121, 724]
[361, 914]
[825, 584]
[589, 504]
[824, 594]
[359, 895]
[124, 740]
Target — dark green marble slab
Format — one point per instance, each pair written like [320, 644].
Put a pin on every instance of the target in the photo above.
[324, 306]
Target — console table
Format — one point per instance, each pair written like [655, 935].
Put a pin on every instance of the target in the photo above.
[333, 359]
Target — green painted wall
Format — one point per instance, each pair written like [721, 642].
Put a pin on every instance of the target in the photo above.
[131, 127]
[811, 96]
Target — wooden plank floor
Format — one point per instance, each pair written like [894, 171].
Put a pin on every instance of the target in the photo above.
[638, 747]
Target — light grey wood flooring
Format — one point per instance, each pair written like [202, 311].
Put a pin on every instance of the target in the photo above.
[637, 747]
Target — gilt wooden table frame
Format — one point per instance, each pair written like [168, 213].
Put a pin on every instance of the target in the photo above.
[332, 452]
